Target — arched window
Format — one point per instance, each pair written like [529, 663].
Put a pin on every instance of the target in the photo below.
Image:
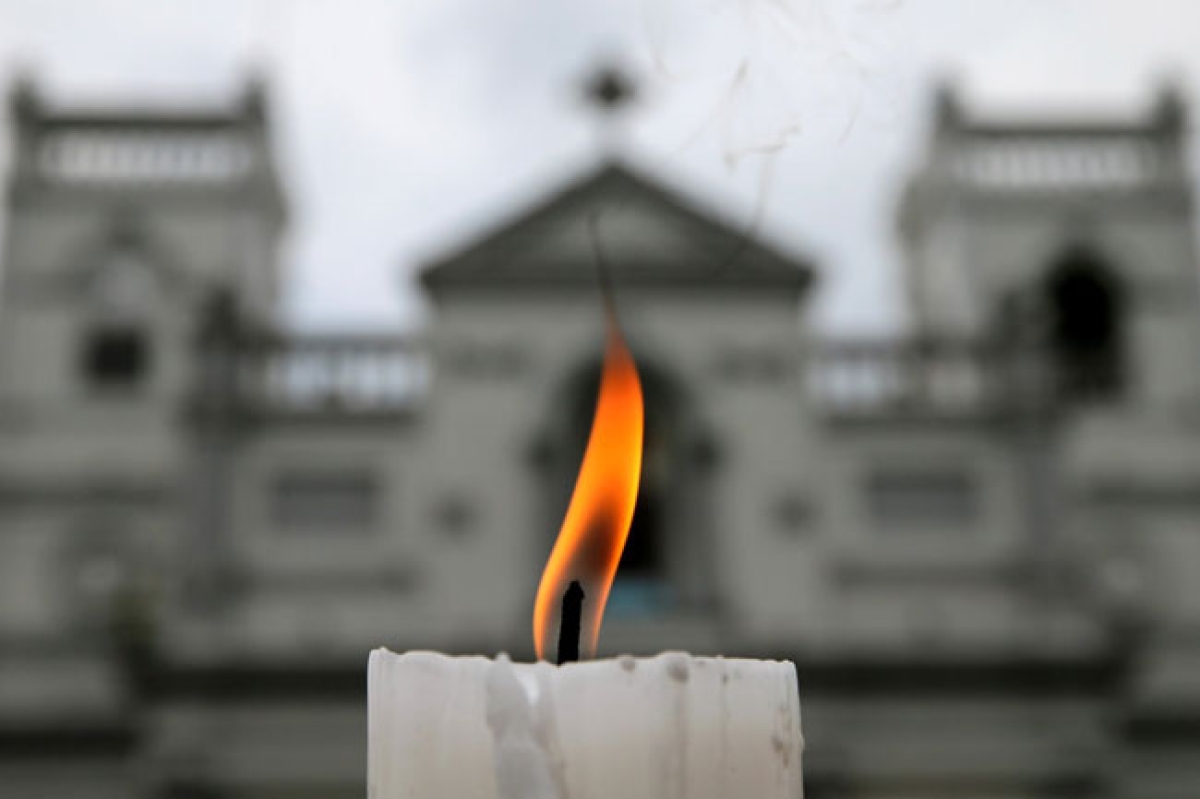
[663, 566]
[645, 557]
[115, 355]
[115, 351]
[1084, 302]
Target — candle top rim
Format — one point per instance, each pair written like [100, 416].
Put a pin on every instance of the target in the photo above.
[625, 661]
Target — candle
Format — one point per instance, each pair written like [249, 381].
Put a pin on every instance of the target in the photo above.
[672, 726]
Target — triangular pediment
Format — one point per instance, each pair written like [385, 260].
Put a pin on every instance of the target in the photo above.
[644, 234]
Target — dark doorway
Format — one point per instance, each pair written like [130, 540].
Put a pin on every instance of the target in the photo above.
[1086, 313]
[644, 583]
[645, 551]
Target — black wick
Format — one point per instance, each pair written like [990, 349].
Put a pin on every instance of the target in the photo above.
[568, 629]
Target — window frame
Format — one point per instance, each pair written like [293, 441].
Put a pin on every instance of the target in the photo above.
[964, 511]
[305, 479]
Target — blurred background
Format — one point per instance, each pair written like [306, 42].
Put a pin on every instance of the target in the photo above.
[300, 332]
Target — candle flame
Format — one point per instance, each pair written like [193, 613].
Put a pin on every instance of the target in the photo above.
[593, 533]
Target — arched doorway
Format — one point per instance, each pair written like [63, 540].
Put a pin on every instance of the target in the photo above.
[1085, 313]
[667, 563]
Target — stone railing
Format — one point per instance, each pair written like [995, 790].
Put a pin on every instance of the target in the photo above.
[142, 155]
[317, 373]
[862, 377]
[1063, 162]
[372, 374]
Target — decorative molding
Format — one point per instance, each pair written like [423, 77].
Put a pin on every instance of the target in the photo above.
[983, 421]
[114, 740]
[864, 570]
[1137, 492]
[754, 365]
[793, 514]
[483, 360]
[116, 494]
[455, 514]
[126, 229]
[402, 578]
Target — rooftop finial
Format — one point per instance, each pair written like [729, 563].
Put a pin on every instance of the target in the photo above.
[23, 97]
[609, 90]
[947, 107]
[253, 99]
[1170, 108]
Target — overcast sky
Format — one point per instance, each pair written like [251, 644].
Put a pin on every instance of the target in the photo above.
[406, 125]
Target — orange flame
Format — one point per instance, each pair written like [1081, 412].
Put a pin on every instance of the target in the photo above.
[594, 530]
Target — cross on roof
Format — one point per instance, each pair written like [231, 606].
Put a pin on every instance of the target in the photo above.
[609, 90]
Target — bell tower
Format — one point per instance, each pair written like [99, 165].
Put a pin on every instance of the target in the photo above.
[1074, 239]
[1082, 225]
[120, 221]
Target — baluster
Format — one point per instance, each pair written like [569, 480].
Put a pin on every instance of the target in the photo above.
[338, 358]
[381, 372]
[883, 376]
[410, 376]
[391, 369]
[874, 376]
[382, 387]
[326, 368]
[353, 362]
[911, 365]
[859, 377]
[364, 388]
[346, 357]
[851, 377]
[304, 375]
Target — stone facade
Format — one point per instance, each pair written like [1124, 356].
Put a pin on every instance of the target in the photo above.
[979, 542]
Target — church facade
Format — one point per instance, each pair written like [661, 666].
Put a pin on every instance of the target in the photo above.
[979, 542]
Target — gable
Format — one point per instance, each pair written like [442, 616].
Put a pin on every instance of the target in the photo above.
[121, 250]
[644, 234]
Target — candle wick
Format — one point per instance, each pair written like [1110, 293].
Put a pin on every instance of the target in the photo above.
[568, 628]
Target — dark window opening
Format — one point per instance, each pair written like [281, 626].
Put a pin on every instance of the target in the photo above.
[116, 357]
[644, 584]
[321, 501]
[645, 556]
[904, 499]
[1085, 308]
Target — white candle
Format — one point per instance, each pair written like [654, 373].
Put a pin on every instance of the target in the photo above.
[668, 727]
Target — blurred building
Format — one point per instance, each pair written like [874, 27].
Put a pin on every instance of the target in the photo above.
[979, 542]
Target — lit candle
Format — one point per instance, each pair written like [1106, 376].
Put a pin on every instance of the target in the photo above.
[673, 726]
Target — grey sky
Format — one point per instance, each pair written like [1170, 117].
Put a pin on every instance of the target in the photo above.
[405, 125]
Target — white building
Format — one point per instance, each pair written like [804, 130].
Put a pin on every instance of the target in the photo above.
[980, 543]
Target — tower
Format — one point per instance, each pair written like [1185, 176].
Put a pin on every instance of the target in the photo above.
[1074, 240]
[120, 221]
[1079, 230]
